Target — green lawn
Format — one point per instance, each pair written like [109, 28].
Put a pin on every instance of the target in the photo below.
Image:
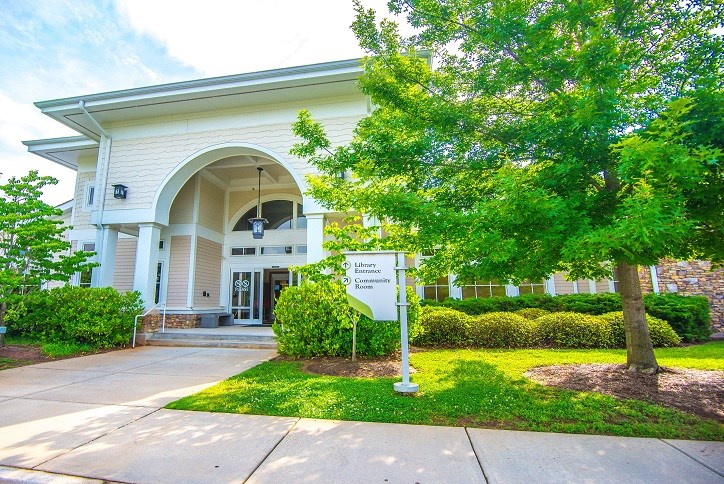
[476, 388]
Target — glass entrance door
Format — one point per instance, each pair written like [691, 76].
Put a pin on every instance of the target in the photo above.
[246, 296]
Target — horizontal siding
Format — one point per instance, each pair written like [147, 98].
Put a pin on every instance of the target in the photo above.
[178, 271]
[82, 219]
[125, 264]
[182, 208]
[562, 285]
[602, 286]
[211, 206]
[208, 273]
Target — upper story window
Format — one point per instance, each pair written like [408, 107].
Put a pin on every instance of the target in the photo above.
[281, 214]
[89, 194]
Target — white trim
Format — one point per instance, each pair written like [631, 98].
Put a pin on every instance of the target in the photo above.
[193, 163]
[130, 216]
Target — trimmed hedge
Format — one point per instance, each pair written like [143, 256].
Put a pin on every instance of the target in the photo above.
[443, 327]
[532, 313]
[689, 316]
[314, 319]
[662, 334]
[98, 317]
[574, 330]
[503, 330]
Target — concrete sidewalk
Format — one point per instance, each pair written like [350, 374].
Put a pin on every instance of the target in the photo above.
[101, 417]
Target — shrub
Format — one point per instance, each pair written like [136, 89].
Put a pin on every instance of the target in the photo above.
[314, 319]
[98, 317]
[689, 316]
[443, 327]
[503, 330]
[532, 313]
[662, 335]
[574, 330]
[589, 303]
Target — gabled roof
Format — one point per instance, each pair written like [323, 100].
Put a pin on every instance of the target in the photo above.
[330, 79]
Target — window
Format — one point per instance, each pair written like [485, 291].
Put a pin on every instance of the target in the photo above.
[159, 271]
[438, 291]
[161, 244]
[84, 279]
[279, 213]
[614, 280]
[532, 287]
[89, 246]
[276, 249]
[89, 193]
[492, 288]
[301, 249]
[243, 250]
[301, 219]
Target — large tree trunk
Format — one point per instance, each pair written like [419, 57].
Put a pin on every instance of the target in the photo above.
[639, 350]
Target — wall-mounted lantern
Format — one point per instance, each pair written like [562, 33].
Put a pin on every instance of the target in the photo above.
[257, 223]
[120, 191]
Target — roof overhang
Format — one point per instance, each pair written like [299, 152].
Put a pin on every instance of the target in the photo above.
[325, 80]
[64, 151]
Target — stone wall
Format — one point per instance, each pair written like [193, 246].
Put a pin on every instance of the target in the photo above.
[695, 278]
[152, 322]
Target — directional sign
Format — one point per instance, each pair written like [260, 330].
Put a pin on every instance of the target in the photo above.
[371, 285]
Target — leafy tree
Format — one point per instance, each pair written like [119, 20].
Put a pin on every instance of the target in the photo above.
[552, 135]
[31, 243]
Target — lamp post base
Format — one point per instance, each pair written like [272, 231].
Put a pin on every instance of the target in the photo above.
[402, 387]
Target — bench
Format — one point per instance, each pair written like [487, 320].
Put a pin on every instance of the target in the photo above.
[214, 320]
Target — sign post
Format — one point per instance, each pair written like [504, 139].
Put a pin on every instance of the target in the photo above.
[371, 290]
[404, 386]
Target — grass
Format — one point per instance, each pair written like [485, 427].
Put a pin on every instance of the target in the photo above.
[476, 388]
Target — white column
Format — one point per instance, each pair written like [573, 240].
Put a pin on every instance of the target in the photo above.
[654, 280]
[551, 285]
[106, 249]
[592, 286]
[144, 278]
[315, 237]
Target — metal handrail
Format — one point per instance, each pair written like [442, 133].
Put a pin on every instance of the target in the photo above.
[135, 320]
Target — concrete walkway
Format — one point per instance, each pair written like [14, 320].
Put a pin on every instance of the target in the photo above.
[100, 418]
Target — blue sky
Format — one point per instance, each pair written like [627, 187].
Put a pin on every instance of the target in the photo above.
[51, 49]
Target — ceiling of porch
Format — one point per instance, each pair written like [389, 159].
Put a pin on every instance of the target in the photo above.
[240, 173]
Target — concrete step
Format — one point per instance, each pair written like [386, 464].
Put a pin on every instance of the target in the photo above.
[210, 336]
[211, 343]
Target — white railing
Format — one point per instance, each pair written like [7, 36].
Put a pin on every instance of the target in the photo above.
[163, 321]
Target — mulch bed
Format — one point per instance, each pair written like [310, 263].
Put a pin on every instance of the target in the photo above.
[694, 391]
[22, 355]
[385, 366]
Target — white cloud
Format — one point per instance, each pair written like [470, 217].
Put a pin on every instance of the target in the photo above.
[219, 37]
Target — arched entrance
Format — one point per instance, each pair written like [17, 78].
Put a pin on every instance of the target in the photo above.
[212, 263]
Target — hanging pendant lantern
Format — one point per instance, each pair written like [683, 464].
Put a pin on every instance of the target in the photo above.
[257, 223]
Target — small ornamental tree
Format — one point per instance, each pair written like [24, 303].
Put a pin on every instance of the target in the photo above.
[32, 250]
[551, 136]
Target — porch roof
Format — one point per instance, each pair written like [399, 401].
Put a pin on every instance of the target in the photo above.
[330, 79]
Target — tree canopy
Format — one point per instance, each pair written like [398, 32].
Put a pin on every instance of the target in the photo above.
[32, 249]
[564, 135]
